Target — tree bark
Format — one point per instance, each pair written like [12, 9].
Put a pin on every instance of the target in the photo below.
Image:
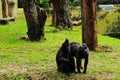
[53, 13]
[53, 18]
[63, 18]
[4, 8]
[89, 24]
[11, 8]
[35, 18]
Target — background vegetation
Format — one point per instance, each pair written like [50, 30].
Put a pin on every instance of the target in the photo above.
[72, 2]
[109, 21]
[45, 3]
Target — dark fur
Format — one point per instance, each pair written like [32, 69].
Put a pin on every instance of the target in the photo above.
[65, 62]
[80, 52]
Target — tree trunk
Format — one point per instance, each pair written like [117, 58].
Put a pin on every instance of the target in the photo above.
[11, 8]
[53, 13]
[4, 8]
[35, 18]
[63, 18]
[89, 27]
[53, 18]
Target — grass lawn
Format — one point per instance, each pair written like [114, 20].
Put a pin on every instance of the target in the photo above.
[22, 60]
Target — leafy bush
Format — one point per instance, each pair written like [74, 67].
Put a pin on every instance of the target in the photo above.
[74, 3]
[109, 22]
[42, 3]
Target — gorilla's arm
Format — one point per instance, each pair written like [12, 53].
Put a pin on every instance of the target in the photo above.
[61, 58]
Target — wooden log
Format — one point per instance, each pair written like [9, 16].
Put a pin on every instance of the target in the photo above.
[76, 23]
[11, 19]
[4, 21]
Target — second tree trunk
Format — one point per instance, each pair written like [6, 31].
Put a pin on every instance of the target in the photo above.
[63, 18]
[35, 17]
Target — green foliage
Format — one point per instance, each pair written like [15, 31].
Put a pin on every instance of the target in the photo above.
[41, 1]
[74, 3]
[109, 21]
[44, 3]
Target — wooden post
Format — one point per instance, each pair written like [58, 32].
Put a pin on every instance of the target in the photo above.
[11, 8]
[4, 8]
[89, 24]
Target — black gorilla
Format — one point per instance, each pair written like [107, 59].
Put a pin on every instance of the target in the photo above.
[65, 62]
[80, 52]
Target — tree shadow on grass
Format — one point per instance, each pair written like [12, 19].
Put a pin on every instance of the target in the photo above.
[114, 35]
[104, 49]
[28, 40]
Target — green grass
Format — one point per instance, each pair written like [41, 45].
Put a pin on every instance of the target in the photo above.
[22, 60]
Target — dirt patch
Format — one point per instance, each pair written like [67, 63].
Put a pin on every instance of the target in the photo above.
[104, 49]
[106, 76]
[118, 58]
[13, 68]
